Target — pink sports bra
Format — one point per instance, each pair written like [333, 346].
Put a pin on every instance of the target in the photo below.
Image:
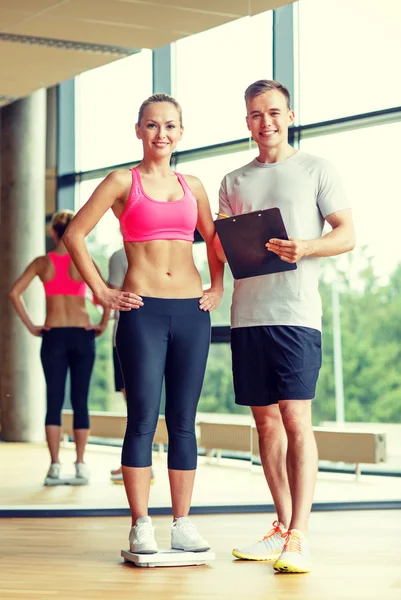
[62, 284]
[144, 219]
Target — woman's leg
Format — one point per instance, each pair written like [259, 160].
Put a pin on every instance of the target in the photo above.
[141, 340]
[55, 365]
[185, 369]
[81, 357]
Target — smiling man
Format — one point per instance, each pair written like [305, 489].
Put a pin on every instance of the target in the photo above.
[276, 318]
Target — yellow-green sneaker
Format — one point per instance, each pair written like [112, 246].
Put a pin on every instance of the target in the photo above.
[268, 548]
[295, 557]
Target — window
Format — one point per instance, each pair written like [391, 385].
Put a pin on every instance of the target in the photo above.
[348, 52]
[102, 242]
[371, 180]
[218, 392]
[107, 103]
[213, 70]
[369, 278]
[211, 171]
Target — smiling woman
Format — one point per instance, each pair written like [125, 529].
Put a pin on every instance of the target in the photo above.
[164, 326]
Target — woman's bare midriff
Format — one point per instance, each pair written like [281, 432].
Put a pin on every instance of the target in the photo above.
[162, 269]
[66, 311]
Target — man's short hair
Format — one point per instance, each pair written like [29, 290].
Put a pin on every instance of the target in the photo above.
[266, 85]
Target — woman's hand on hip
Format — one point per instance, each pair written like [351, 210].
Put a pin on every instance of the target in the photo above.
[119, 300]
[37, 330]
[98, 328]
[211, 299]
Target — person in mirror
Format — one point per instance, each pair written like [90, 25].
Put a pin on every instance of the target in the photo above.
[68, 343]
[276, 318]
[164, 323]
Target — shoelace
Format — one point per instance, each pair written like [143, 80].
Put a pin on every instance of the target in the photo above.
[143, 530]
[189, 528]
[292, 542]
[276, 529]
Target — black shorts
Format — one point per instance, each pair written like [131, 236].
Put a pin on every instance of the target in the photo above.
[118, 375]
[272, 363]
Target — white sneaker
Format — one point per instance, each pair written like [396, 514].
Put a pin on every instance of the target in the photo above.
[268, 548]
[185, 536]
[142, 537]
[54, 471]
[295, 557]
[82, 472]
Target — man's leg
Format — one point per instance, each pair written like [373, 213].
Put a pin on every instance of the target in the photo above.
[302, 470]
[254, 386]
[273, 453]
[301, 459]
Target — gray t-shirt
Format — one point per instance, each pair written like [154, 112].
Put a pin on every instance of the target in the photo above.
[306, 189]
[118, 265]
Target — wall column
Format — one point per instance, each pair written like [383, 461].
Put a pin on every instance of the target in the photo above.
[22, 238]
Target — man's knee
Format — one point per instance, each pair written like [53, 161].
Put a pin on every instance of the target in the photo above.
[296, 416]
[267, 420]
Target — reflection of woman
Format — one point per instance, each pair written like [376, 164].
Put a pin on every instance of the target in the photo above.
[67, 342]
[164, 327]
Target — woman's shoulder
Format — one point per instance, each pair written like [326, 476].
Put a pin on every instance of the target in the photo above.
[194, 183]
[41, 263]
[120, 177]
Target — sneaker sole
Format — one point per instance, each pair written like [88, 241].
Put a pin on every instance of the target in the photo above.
[285, 567]
[144, 551]
[203, 549]
[259, 557]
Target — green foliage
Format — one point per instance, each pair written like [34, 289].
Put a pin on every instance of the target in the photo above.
[371, 348]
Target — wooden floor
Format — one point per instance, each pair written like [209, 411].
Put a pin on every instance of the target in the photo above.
[232, 482]
[357, 556]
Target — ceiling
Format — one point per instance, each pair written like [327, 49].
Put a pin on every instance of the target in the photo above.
[44, 42]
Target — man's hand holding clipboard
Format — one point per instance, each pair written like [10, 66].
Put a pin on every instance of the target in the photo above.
[288, 250]
[246, 238]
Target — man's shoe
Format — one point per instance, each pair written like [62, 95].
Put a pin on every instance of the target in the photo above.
[295, 557]
[142, 537]
[268, 548]
[185, 536]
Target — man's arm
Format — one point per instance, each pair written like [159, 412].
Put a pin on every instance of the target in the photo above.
[339, 240]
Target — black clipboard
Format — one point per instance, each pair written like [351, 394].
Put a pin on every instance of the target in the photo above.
[243, 238]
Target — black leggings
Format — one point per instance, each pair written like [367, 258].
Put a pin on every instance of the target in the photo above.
[66, 348]
[170, 339]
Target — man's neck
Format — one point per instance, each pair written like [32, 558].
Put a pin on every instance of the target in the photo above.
[277, 154]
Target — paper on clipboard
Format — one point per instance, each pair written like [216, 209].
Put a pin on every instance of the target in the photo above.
[243, 238]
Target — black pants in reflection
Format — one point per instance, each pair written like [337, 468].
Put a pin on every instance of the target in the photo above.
[167, 338]
[66, 348]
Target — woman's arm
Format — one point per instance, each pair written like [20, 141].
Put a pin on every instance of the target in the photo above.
[33, 269]
[110, 193]
[212, 297]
